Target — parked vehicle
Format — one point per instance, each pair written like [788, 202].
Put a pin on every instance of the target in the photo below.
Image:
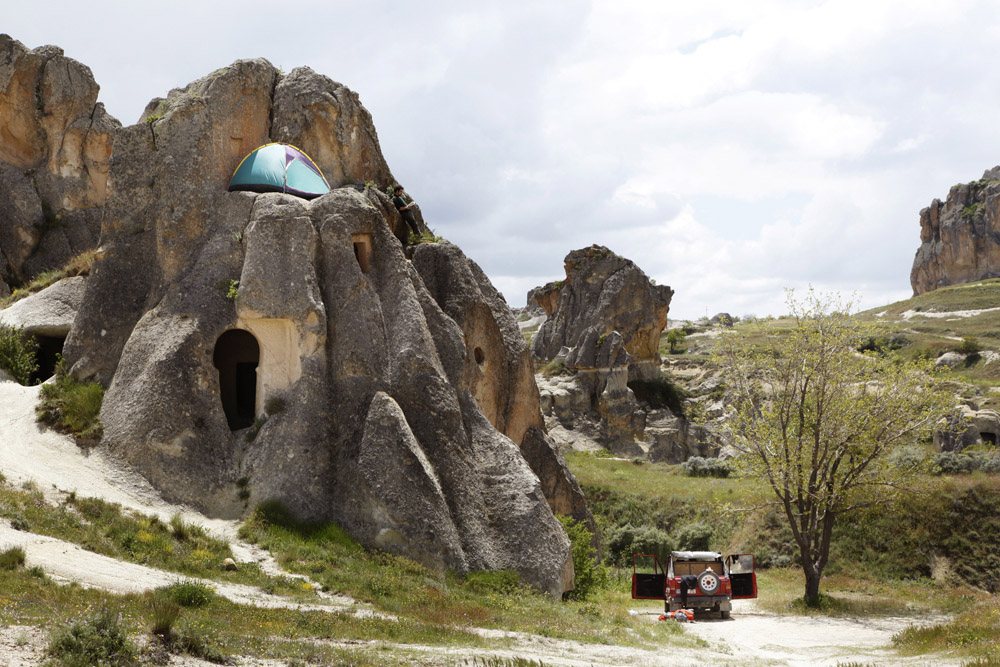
[699, 580]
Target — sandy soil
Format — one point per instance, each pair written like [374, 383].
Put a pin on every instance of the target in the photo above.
[58, 466]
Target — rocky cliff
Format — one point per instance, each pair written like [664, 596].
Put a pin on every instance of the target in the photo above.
[960, 238]
[602, 292]
[55, 143]
[260, 346]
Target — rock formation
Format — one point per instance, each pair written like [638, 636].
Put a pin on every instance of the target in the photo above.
[968, 427]
[55, 142]
[603, 292]
[960, 238]
[603, 330]
[287, 348]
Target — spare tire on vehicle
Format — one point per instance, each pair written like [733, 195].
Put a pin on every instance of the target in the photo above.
[708, 582]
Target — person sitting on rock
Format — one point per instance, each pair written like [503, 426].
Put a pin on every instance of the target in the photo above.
[405, 209]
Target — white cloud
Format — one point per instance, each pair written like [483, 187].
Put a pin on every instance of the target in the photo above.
[529, 129]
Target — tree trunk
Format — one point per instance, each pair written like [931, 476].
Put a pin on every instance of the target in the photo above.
[812, 584]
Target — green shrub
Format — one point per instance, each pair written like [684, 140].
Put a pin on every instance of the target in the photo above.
[963, 463]
[622, 542]
[696, 466]
[165, 612]
[17, 353]
[12, 558]
[188, 593]
[588, 575]
[659, 393]
[100, 640]
[193, 641]
[504, 582]
[969, 345]
[694, 537]
[72, 406]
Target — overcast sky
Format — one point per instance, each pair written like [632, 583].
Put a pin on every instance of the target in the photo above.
[730, 148]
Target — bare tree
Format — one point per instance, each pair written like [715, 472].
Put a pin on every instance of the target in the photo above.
[817, 419]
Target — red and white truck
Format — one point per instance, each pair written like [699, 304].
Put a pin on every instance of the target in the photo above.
[698, 580]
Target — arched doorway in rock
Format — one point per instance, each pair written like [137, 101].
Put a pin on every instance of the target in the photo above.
[988, 438]
[236, 356]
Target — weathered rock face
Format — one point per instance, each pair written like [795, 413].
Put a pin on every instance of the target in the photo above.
[610, 293]
[499, 372]
[342, 378]
[960, 238]
[967, 428]
[48, 313]
[55, 142]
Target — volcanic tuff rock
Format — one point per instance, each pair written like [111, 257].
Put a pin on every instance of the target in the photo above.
[342, 379]
[55, 141]
[611, 293]
[960, 238]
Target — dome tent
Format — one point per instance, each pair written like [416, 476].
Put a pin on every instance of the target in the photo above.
[279, 168]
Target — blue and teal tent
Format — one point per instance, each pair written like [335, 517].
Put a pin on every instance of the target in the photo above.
[279, 168]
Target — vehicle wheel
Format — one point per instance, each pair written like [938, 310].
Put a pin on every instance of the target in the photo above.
[724, 613]
[708, 582]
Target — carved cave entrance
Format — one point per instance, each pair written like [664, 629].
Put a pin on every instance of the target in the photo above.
[237, 356]
[49, 349]
[988, 438]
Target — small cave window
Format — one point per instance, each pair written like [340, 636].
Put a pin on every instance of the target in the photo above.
[237, 356]
[989, 438]
[479, 355]
[362, 250]
[49, 349]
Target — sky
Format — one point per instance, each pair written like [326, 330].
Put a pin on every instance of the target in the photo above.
[730, 148]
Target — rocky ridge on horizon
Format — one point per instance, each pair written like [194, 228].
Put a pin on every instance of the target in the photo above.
[960, 237]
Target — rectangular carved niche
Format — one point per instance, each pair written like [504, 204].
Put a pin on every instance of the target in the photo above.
[362, 250]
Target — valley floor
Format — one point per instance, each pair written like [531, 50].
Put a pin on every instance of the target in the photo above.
[56, 466]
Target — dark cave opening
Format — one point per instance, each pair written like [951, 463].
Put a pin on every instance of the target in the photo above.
[236, 356]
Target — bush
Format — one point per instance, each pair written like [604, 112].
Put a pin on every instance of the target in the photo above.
[969, 345]
[622, 542]
[697, 466]
[963, 463]
[72, 406]
[100, 640]
[504, 582]
[165, 612]
[12, 558]
[17, 353]
[588, 575]
[193, 641]
[188, 593]
[660, 393]
[694, 537]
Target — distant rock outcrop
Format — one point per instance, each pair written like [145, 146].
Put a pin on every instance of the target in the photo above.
[55, 143]
[603, 292]
[960, 238]
[265, 344]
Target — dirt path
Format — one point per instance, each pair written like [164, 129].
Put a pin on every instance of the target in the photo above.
[753, 636]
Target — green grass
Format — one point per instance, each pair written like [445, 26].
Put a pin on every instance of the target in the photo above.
[444, 600]
[12, 558]
[76, 266]
[107, 529]
[973, 633]
[72, 406]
